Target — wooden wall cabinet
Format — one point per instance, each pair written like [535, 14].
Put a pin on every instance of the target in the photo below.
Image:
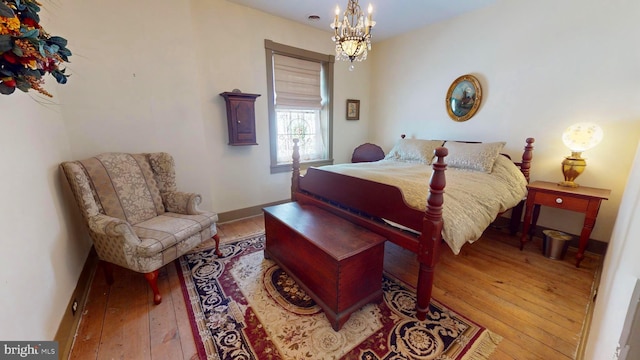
[241, 116]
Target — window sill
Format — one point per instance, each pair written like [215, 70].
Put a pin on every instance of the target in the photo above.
[281, 168]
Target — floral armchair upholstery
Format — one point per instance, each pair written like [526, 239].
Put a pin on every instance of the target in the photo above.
[136, 217]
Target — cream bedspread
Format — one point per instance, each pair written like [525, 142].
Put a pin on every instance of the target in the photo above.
[472, 199]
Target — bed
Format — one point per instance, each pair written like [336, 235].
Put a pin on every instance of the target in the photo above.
[388, 196]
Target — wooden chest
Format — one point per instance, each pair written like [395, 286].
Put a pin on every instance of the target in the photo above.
[339, 264]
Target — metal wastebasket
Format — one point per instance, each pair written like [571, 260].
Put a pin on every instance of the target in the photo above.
[555, 244]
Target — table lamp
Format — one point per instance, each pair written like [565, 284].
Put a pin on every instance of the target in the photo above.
[578, 138]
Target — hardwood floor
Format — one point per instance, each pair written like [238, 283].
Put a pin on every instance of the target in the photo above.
[536, 304]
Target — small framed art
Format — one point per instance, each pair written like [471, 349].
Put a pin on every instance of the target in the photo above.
[353, 109]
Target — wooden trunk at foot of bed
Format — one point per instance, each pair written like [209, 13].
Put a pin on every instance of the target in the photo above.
[366, 203]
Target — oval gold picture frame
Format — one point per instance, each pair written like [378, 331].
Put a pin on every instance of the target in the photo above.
[463, 98]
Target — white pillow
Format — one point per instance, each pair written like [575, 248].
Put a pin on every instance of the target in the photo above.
[414, 150]
[473, 156]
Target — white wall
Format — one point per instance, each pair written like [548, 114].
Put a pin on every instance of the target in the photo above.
[145, 77]
[134, 85]
[41, 256]
[621, 271]
[156, 86]
[543, 65]
[230, 52]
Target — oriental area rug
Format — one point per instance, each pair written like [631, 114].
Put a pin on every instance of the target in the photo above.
[243, 306]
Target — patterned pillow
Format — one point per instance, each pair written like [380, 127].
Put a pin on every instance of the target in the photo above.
[414, 150]
[473, 156]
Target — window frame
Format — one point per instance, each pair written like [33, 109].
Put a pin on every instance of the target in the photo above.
[327, 62]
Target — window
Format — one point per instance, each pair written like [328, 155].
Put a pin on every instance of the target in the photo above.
[300, 87]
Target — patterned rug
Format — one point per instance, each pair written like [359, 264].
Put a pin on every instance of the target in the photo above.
[243, 306]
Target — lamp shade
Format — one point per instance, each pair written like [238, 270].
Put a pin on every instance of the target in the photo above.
[582, 136]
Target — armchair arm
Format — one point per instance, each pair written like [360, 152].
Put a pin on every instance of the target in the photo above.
[104, 225]
[181, 202]
[116, 242]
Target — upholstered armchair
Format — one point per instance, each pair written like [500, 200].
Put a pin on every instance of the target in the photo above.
[136, 217]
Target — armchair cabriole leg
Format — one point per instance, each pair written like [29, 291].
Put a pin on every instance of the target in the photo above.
[216, 237]
[152, 279]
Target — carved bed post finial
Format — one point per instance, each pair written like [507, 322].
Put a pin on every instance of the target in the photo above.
[527, 156]
[431, 233]
[295, 176]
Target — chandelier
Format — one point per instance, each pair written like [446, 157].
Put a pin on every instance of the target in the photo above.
[353, 34]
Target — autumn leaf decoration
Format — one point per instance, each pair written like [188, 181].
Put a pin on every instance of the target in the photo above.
[27, 51]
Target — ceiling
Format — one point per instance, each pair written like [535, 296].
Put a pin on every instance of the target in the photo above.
[393, 17]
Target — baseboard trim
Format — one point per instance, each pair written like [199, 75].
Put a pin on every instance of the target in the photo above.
[586, 327]
[70, 320]
[593, 246]
[246, 212]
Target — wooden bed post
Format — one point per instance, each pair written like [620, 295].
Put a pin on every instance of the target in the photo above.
[525, 165]
[428, 249]
[527, 156]
[295, 176]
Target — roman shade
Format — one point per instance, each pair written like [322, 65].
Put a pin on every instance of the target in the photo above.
[297, 83]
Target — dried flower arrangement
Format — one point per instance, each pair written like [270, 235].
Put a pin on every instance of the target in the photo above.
[27, 51]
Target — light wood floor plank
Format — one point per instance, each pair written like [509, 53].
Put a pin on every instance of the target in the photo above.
[511, 295]
[164, 331]
[126, 323]
[536, 304]
[500, 284]
[187, 344]
[89, 334]
[536, 327]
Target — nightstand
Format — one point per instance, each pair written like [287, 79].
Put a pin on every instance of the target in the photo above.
[581, 199]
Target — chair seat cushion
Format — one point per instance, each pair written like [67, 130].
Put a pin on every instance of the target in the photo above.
[162, 232]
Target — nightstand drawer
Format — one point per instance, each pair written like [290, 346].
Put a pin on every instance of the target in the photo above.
[561, 201]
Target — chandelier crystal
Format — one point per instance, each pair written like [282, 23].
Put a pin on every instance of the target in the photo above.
[353, 34]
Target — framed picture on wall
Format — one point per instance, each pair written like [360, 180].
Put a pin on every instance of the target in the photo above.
[353, 109]
[463, 98]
